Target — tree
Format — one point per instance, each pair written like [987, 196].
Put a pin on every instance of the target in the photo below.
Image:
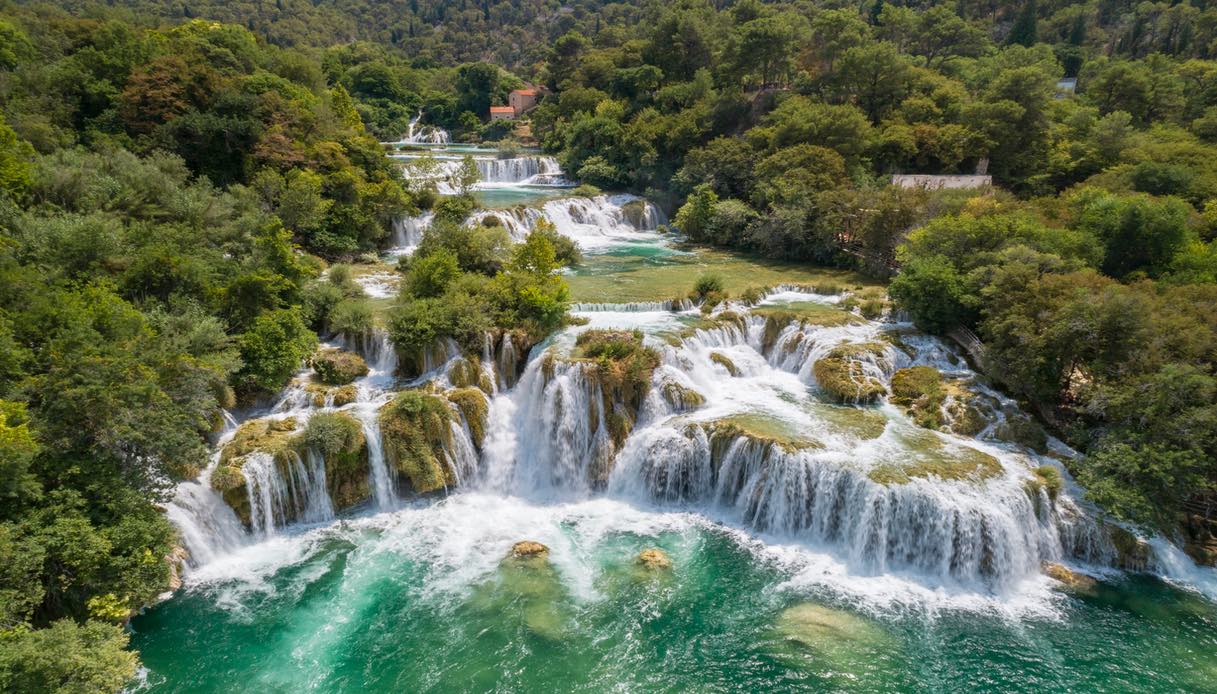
[1024, 31]
[477, 86]
[467, 176]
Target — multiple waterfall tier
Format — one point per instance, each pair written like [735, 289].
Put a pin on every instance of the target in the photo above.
[778, 417]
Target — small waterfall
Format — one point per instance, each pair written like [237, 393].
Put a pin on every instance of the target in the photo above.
[518, 221]
[553, 436]
[521, 170]
[674, 305]
[382, 478]
[276, 499]
[408, 233]
[989, 536]
[207, 527]
[424, 134]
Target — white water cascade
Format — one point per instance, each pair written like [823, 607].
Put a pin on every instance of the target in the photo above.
[423, 134]
[594, 223]
[408, 233]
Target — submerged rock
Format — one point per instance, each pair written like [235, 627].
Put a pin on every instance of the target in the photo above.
[843, 374]
[653, 559]
[834, 633]
[529, 549]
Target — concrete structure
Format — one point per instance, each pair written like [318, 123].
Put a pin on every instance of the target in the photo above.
[502, 113]
[932, 182]
[522, 100]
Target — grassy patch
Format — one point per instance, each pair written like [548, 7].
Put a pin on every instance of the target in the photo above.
[759, 427]
[621, 279]
[808, 312]
[932, 458]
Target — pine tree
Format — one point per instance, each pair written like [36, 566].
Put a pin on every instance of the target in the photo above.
[1023, 32]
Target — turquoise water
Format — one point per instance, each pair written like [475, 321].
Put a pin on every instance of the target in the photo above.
[418, 600]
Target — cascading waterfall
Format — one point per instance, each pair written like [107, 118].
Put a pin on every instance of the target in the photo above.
[423, 135]
[557, 432]
[595, 222]
[408, 233]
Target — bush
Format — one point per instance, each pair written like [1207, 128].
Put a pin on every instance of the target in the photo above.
[332, 433]
[708, 284]
[66, 657]
[430, 275]
[338, 368]
[272, 350]
[352, 317]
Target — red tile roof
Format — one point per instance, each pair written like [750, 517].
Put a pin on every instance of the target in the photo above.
[525, 92]
[502, 109]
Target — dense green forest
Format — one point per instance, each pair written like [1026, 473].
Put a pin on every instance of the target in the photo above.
[175, 176]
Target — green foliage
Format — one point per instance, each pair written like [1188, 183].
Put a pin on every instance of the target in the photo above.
[933, 291]
[66, 657]
[431, 275]
[272, 350]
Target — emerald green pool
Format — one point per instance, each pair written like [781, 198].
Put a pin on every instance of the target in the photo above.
[418, 601]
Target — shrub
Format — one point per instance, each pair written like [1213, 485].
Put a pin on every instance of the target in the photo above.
[338, 367]
[352, 317]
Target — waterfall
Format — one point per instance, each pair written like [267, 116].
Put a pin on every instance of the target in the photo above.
[988, 536]
[521, 170]
[382, 478]
[549, 434]
[207, 527]
[408, 233]
[423, 135]
[592, 222]
[276, 498]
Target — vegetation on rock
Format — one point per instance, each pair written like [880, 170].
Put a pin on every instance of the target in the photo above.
[842, 373]
[338, 367]
[417, 428]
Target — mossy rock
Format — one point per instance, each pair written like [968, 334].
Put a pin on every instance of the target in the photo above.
[473, 405]
[1023, 430]
[1072, 580]
[1047, 479]
[338, 396]
[931, 457]
[920, 392]
[842, 373]
[725, 362]
[272, 436]
[467, 372]
[635, 212]
[416, 430]
[871, 302]
[1132, 553]
[680, 398]
[622, 367]
[766, 430]
[337, 367]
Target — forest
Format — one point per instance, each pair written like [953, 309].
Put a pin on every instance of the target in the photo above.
[174, 177]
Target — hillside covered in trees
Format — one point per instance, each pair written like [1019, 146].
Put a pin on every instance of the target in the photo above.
[174, 177]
